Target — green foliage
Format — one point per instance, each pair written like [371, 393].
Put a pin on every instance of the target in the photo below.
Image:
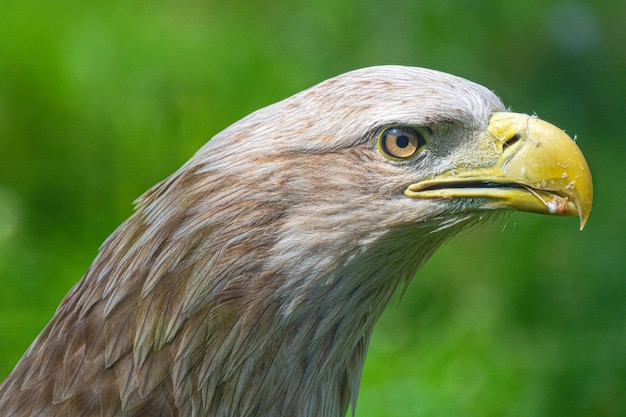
[100, 100]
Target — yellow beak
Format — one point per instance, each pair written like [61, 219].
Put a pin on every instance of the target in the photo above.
[540, 169]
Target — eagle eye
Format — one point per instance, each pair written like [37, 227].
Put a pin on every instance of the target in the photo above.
[400, 142]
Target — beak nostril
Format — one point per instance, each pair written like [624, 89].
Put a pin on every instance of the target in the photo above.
[510, 141]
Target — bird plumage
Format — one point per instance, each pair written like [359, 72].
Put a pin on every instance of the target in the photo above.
[249, 281]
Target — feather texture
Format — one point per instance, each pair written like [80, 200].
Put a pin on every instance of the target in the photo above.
[249, 281]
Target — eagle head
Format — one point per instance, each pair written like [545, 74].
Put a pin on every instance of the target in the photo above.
[248, 282]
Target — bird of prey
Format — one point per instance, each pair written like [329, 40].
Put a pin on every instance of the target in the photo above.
[248, 282]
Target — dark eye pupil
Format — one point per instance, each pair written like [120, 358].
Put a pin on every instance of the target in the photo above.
[402, 141]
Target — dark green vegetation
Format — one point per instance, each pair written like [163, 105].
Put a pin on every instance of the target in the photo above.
[525, 317]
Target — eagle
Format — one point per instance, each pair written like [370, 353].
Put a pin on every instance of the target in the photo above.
[249, 281]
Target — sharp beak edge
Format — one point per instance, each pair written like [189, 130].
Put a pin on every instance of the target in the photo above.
[540, 169]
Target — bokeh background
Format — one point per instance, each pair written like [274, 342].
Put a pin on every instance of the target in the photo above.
[100, 100]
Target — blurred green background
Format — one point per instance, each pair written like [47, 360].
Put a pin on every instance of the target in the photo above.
[100, 100]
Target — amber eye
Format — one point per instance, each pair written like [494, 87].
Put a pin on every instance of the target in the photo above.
[400, 142]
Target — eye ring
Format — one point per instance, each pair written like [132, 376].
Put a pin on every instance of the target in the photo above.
[400, 142]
